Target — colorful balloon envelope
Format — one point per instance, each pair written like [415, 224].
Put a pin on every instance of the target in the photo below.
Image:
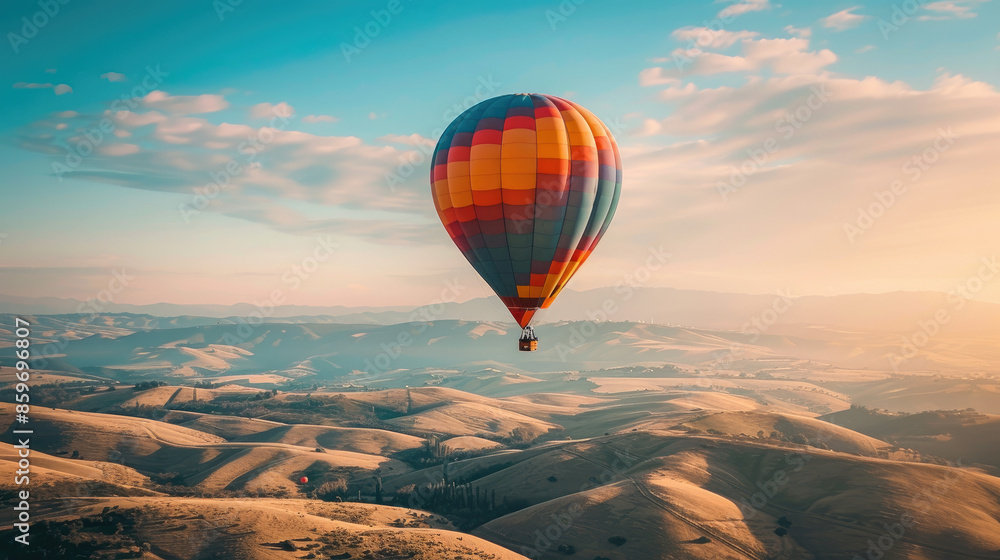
[526, 185]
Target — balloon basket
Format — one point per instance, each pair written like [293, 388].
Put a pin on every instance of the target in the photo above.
[528, 341]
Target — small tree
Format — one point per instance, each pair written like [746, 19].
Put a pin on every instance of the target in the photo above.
[520, 434]
[331, 490]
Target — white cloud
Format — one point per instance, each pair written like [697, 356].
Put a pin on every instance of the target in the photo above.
[783, 56]
[951, 9]
[677, 92]
[411, 140]
[113, 76]
[788, 56]
[804, 32]
[50, 70]
[61, 89]
[796, 201]
[708, 38]
[180, 153]
[715, 63]
[844, 19]
[267, 110]
[744, 6]
[184, 104]
[865, 49]
[319, 118]
[655, 76]
[372, 115]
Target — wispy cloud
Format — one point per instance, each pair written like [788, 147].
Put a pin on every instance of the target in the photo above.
[844, 19]
[782, 56]
[855, 143]
[184, 104]
[804, 32]
[952, 9]
[741, 7]
[113, 76]
[319, 118]
[267, 110]
[707, 38]
[411, 140]
[178, 153]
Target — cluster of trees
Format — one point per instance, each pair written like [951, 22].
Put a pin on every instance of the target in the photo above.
[108, 535]
[467, 505]
[52, 394]
[151, 411]
[324, 410]
[331, 491]
[144, 385]
[206, 385]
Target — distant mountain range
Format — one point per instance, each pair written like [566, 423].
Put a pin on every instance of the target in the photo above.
[895, 312]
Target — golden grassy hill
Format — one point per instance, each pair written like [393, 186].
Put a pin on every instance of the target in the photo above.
[963, 435]
[470, 419]
[665, 494]
[198, 458]
[787, 426]
[257, 529]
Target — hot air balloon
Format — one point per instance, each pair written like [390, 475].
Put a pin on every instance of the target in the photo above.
[304, 480]
[526, 185]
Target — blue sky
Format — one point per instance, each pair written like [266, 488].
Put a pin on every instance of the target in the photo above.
[342, 123]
